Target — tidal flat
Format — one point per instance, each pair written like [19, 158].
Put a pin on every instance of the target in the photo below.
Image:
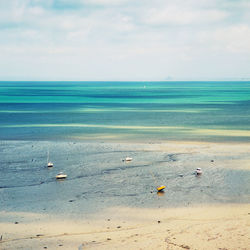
[101, 186]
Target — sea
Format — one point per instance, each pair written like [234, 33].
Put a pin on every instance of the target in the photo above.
[125, 111]
[88, 128]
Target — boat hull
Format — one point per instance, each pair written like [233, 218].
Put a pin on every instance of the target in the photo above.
[161, 188]
[61, 177]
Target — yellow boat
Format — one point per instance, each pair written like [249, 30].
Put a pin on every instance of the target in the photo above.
[160, 188]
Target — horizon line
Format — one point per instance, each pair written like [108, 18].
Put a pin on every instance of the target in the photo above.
[176, 80]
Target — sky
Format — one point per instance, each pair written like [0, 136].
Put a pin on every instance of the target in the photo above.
[124, 40]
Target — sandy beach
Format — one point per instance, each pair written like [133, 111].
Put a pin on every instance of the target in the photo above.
[210, 227]
[196, 224]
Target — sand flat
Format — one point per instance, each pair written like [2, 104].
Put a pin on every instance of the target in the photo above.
[203, 227]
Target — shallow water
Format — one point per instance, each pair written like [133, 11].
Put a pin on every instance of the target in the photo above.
[98, 178]
[50, 115]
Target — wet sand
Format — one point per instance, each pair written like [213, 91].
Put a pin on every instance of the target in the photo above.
[201, 225]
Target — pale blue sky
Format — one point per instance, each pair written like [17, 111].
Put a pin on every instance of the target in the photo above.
[124, 39]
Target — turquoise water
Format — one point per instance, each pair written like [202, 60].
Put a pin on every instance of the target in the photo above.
[123, 111]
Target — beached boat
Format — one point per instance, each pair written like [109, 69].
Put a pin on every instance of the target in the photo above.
[49, 163]
[198, 171]
[128, 159]
[61, 175]
[161, 188]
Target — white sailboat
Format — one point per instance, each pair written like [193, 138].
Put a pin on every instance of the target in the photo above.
[128, 159]
[198, 171]
[49, 163]
[61, 175]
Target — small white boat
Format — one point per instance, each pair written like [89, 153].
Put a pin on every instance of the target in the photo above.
[61, 175]
[198, 171]
[128, 159]
[49, 163]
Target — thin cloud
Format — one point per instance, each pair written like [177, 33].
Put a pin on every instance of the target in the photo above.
[123, 39]
[173, 15]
